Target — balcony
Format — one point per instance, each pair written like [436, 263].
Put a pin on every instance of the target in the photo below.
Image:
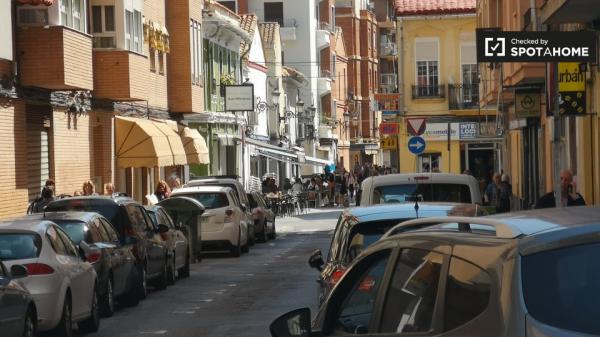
[388, 50]
[463, 96]
[325, 132]
[323, 35]
[55, 58]
[120, 75]
[324, 83]
[428, 91]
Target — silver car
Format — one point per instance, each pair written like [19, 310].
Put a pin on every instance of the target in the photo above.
[61, 283]
[223, 224]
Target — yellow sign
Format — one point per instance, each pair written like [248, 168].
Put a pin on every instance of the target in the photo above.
[390, 143]
[571, 87]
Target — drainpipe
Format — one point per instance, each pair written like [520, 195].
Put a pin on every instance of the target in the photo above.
[401, 101]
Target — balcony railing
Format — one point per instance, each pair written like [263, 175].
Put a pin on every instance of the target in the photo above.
[428, 91]
[463, 96]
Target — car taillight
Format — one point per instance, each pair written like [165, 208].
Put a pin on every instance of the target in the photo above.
[93, 257]
[336, 275]
[367, 284]
[38, 269]
[228, 216]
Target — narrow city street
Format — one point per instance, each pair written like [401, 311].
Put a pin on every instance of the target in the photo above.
[227, 296]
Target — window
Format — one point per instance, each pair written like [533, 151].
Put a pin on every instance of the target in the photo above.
[152, 59]
[128, 29]
[161, 63]
[196, 49]
[422, 192]
[108, 228]
[32, 16]
[73, 14]
[133, 31]
[77, 230]
[55, 241]
[467, 293]
[103, 26]
[274, 12]
[19, 246]
[333, 73]
[412, 292]
[68, 244]
[426, 56]
[469, 73]
[429, 162]
[230, 4]
[357, 306]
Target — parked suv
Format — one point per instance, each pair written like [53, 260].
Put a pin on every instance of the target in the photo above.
[402, 187]
[134, 228]
[240, 193]
[531, 273]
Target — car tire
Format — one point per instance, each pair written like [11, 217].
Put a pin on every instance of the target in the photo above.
[185, 270]
[162, 280]
[30, 325]
[172, 272]
[92, 323]
[236, 250]
[65, 325]
[107, 302]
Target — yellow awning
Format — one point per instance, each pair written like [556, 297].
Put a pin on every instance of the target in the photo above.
[145, 143]
[194, 145]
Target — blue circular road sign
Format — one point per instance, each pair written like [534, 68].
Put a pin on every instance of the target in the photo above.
[416, 145]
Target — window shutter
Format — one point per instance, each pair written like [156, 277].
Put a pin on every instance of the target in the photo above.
[468, 53]
[426, 50]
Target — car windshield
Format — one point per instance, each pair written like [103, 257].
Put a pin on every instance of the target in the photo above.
[20, 246]
[107, 209]
[210, 200]
[422, 192]
[75, 229]
[365, 234]
[562, 287]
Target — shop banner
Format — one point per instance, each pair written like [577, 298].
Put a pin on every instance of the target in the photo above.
[571, 88]
[388, 128]
[439, 132]
[468, 130]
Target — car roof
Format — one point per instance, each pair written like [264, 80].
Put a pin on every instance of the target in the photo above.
[210, 181]
[24, 224]
[53, 216]
[201, 188]
[98, 199]
[400, 178]
[407, 210]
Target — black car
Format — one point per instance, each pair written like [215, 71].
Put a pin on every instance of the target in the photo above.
[359, 227]
[177, 243]
[134, 228]
[18, 315]
[114, 262]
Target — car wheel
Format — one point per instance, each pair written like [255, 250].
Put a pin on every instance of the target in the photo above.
[65, 326]
[29, 329]
[171, 272]
[185, 270]
[162, 281]
[107, 303]
[92, 323]
[236, 250]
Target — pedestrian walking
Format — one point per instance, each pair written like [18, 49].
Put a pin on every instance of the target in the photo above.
[568, 193]
[504, 194]
[492, 191]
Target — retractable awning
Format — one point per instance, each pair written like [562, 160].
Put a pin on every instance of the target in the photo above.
[146, 143]
[194, 146]
[317, 161]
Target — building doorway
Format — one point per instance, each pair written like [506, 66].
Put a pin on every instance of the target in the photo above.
[482, 160]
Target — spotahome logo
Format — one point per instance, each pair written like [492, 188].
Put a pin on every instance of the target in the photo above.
[497, 46]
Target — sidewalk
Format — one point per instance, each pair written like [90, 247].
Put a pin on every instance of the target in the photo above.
[320, 219]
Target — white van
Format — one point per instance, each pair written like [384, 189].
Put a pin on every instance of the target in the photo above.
[404, 187]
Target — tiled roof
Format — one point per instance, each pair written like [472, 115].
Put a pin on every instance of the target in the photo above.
[267, 32]
[424, 7]
[247, 23]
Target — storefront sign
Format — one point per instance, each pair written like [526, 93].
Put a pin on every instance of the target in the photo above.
[571, 87]
[468, 130]
[494, 45]
[388, 128]
[389, 143]
[239, 97]
[527, 104]
[439, 132]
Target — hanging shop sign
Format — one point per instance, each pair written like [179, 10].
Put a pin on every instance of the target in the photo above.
[388, 128]
[239, 97]
[571, 88]
[389, 143]
[527, 104]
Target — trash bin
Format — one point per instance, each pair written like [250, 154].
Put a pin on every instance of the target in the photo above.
[187, 212]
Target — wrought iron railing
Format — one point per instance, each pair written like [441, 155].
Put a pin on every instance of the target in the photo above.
[463, 96]
[428, 91]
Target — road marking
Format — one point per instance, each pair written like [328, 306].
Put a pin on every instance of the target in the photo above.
[158, 332]
[184, 312]
[232, 285]
[208, 300]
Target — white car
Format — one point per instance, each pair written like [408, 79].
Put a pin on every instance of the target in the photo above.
[403, 187]
[61, 283]
[222, 221]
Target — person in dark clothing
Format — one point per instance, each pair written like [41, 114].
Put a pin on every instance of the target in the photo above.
[39, 204]
[568, 191]
[504, 194]
[287, 185]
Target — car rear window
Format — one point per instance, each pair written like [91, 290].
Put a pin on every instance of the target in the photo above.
[107, 209]
[562, 287]
[210, 200]
[422, 192]
[365, 234]
[20, 246]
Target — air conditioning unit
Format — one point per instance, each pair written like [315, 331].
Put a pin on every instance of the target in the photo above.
[33, 17]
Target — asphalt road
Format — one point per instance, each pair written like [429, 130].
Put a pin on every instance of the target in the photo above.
[227, 296]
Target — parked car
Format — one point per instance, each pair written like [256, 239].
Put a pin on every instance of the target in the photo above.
[402, 187]
[62, 284]
[532, 273]
[18, 313]
[135, 231]
[114, 263]
[239, 191]
[222, 224]
[360, 227]
[177, 243]
[264, 217]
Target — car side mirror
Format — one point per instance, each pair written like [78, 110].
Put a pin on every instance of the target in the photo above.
[292, 324]
[162, 229]
[18, 271]
[316, 260]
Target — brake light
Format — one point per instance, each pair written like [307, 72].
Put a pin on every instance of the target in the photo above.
[367, 284]
[38, 269]
[228, 216]
[93, 257]
[336, 275]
